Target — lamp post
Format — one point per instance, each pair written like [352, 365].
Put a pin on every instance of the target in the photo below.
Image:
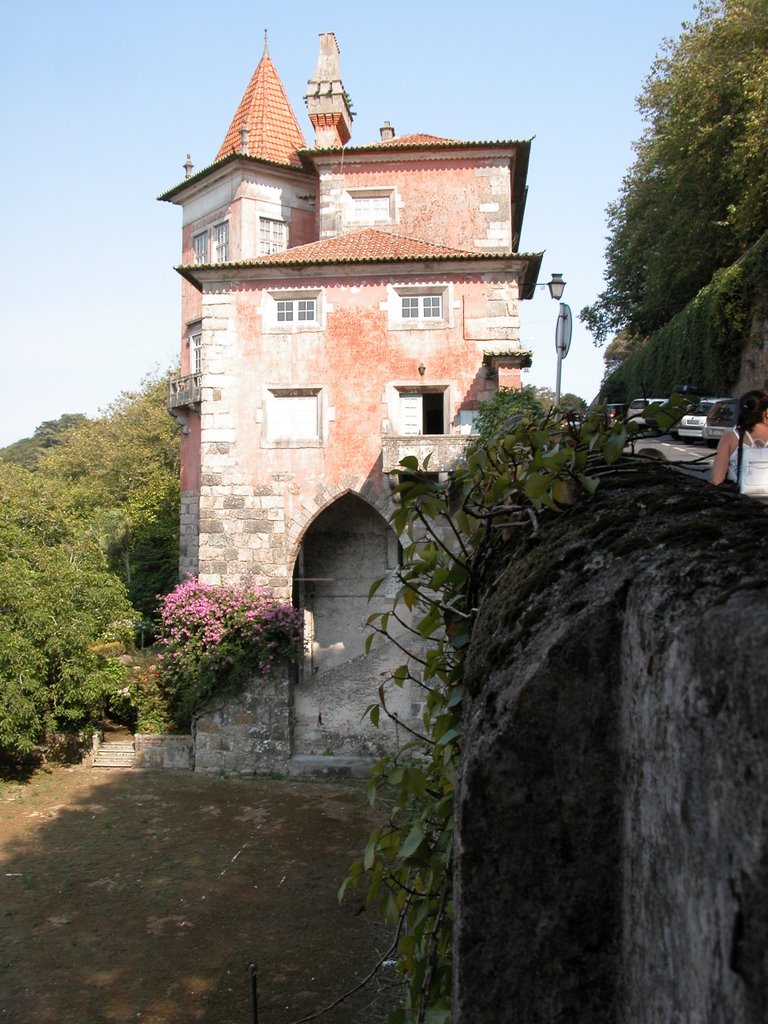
[563, 330]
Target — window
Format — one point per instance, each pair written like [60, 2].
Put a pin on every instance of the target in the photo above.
[371, 209]
[293, 416]
[293, 310]
[221, 243]
[195, 349]
[289, 310]
[421, 412]
[273, 236]
[200, 247]
[422, 307]
[419, 306]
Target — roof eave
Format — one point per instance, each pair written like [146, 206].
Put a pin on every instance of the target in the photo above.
[172, 194]
[198, 275]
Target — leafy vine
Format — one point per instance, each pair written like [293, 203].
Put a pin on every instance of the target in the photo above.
[455, 535]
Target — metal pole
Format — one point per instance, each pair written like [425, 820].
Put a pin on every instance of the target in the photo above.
[254, 996]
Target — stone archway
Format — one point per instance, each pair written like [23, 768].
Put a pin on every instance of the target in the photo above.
[344, 549]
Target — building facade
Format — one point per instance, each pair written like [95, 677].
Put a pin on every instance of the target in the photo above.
[342, 307]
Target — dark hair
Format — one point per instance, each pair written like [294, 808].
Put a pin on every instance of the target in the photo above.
[752, 407]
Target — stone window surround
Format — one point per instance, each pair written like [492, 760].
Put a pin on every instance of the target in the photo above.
[270, 298]
[354, 198]
[273, 393]
[397, 292]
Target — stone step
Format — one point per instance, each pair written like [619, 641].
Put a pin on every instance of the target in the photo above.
[115, 754]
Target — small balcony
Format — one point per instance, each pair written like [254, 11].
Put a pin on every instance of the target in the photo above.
[445, 451]
[185, 392]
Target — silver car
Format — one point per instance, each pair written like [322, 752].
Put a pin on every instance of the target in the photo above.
[720, 419]
[636, 411]
[691, 426]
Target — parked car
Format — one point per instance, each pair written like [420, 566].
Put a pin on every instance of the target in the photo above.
[720, 419]
[614, 412]
[636, 411]
[691, 426]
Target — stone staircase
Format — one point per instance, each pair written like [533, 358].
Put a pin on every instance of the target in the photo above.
[115, 753]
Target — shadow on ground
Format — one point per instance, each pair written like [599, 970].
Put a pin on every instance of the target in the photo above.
[130, 896]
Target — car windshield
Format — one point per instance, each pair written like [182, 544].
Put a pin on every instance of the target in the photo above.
[723, 412]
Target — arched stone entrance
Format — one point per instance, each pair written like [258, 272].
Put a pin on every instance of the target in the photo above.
[346, 547]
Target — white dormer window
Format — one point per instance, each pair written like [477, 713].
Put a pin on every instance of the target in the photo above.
[273, 236]
[368, 206]
[221, 243]
[200, 247]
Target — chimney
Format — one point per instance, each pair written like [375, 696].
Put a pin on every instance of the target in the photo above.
[386, 132]
[327, 101]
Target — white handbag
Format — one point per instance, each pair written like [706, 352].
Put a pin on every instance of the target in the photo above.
[753, 474]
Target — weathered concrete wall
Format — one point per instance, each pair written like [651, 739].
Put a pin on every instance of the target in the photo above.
[612, 861]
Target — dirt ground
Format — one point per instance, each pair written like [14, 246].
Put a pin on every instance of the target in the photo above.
[144, 897]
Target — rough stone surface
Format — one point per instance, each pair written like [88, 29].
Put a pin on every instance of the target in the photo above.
[248, 734]
[612, 860]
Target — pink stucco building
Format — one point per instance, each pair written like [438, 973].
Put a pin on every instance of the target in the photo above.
[342, 306]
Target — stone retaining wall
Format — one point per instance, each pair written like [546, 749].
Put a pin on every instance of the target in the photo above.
[612, 807]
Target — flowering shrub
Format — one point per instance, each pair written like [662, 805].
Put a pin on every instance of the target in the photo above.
[213, 638]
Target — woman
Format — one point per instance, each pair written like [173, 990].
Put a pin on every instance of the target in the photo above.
[752, 422]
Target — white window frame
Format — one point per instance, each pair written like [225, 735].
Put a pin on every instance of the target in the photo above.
[300, 423]
[413, 306]
[195, 343]
[301, 310]
[366, 207]
[200, 247]
[427, 306]
[293, 310]
[409, 400]
[221, 242]
[273, 236]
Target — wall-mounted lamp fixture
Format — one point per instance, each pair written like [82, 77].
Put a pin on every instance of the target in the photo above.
[556, 286]
[422, 370]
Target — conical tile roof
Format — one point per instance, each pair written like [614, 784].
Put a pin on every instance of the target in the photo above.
[273, 131]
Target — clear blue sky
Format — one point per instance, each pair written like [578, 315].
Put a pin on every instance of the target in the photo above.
[100, 101]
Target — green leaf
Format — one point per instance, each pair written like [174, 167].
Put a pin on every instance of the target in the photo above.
[413, 841]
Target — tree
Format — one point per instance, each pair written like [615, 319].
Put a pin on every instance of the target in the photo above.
[506, 404]
[695, 198]
[63, 617]
[119, 474]
[26, 451]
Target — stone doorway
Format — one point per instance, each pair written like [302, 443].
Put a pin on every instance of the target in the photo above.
[346, 547]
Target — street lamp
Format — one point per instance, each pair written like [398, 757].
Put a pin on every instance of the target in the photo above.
[556, 287]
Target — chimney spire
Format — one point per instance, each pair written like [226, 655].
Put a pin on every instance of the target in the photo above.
[327, 101]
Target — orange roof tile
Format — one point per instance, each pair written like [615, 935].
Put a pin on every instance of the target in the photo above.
[367, 245]
[273, 131]
[418, 139]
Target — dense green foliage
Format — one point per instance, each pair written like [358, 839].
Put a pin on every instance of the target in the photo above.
[508, 403]
[704, 344]
[455, 539]
[214, 638]
[119, 474]
[696, 196]
[26, 451]
[63, 615]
